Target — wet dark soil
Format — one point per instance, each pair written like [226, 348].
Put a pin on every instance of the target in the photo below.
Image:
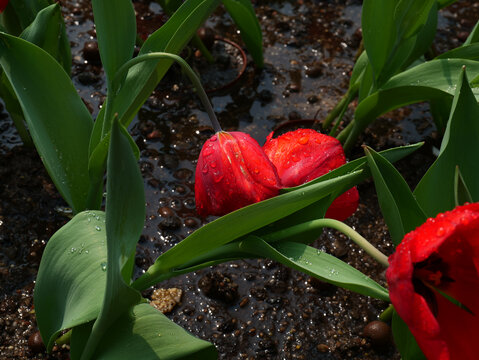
[251, 309]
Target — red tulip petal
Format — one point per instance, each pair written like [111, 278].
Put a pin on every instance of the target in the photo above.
[232, 172]
[3, 5]
[344, 205]
[304, 155]
[442, 254]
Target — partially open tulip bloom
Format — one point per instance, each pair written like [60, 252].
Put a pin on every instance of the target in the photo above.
[233, 171]
[440, 256]
[303, 155]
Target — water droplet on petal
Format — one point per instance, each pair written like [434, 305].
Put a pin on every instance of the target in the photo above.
[440, 231]
[213, 138]
[213, 164]
[303, 140]
[217, 179]
[208, 151]
[205, 169]
[295, 158]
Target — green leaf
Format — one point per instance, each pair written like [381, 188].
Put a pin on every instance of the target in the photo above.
[145, 333]
[125, 216]
[400, 209]
[459, 147]
[48, 32]
[237, 224]
[359, 69]
[316, 263]
[410, 16]
[461, 192]
[473, 36]
[404, 340]
[115, 25]
[71, 279]
[242, 13]
[27, 10]
[470, 52]
[379, 34]
[58, 120]
[431, 80]
[171, 37]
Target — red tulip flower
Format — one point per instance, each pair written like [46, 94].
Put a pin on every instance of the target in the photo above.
[303, 155]
[440, 259]
[3, 5]
[233, 171]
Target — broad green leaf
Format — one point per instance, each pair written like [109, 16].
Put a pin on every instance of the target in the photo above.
[473, 36]
[459, 147]
[145, 333]
[242, 13]
[125, 216]
[404, 340]
[71, 279]
[461, 192]
[237, 224]
[470, 52]
[424, 37]
[400, 209]
[316, 263]
[171, 37]
[410, 16]
[26, 10]
[48, 32]
[379, 33]
[57, 118]
[115, 25]
[431, 80]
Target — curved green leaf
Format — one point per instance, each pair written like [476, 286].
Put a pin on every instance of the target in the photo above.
[473, 36]
[316, 263]
[470, 52]
[242, 13]
[145, 333]
[459, 147]
[58, 120]
[125, 216]
[71, 279]
[171, 37]
[431, 80]
[400, 209]
[115, 25]
[48, 31]
[410, 16]
[239, 223]
[404, 340]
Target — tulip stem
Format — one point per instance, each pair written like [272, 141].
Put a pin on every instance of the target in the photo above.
[122, 71]
[334, 224]
[387, 314]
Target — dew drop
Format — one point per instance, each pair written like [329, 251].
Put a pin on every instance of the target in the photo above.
[208, 151]
[440, 231]
[205, 169]
[103, 266]
[97, 228]
[87, 252]
[214, 138]
[213, 164]
[218, 178]
[72, 250]
[303, 140]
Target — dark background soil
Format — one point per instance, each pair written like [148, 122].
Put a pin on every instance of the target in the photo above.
[254, 309]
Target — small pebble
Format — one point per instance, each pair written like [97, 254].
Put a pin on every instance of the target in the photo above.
[35, 342]
[323, 348]
[379, 333]
[91, 53]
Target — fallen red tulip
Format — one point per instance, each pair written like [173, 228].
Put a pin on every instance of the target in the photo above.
[303, 155]
[233, 171]
[440, 256]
